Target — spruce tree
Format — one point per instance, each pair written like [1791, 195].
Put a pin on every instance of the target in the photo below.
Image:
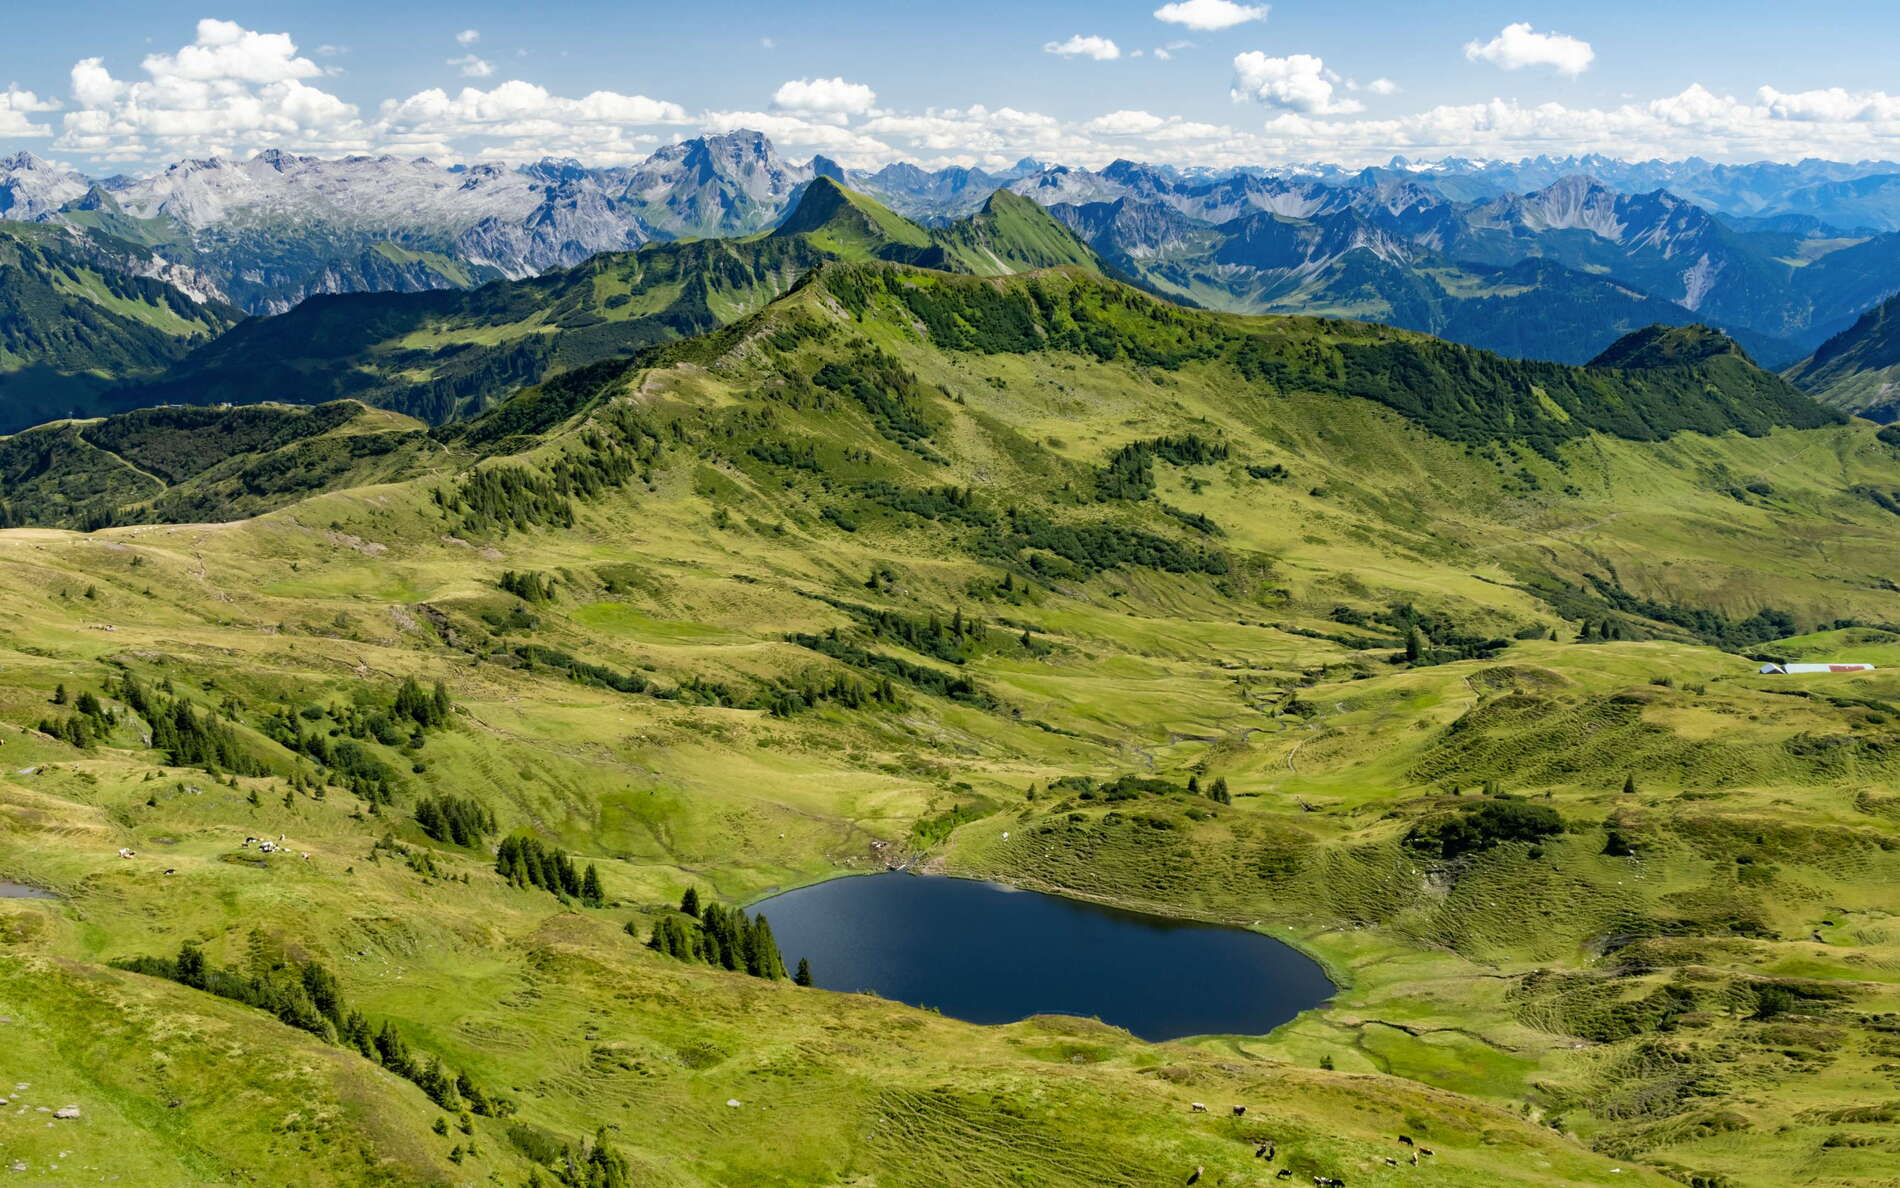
[689, 902]
[191, 966]
[803, 976]
[762, 956]
[1629, 784]
[591, 893]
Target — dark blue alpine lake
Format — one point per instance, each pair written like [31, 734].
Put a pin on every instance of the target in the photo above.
[990, 954]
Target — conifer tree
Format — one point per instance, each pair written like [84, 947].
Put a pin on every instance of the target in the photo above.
[191, 966]
[1629, 784]
[591, 894]
[803, 976]
[689, 902]
[762, 956]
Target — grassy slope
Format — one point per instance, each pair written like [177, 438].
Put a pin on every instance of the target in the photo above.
[1857, 369]
[699, 567]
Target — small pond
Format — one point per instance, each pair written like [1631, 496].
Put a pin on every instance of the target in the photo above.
[990, 954]
[22, 891]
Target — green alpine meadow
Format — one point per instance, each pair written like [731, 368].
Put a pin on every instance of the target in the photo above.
[547, 641]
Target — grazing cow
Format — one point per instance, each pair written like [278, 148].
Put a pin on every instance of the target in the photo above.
[1195, 1178]
[1406, 1139]
[1239, 1111]
[1195, 1107]
[1284, 1174]
[1391, 1162]
[1426, 1151]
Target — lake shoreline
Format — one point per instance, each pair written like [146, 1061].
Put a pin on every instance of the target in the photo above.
[958, 945]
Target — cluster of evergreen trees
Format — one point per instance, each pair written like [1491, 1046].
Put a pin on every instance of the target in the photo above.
[1215, 791]
[787, 698]
[1435, 639]
[498, 499]
[427, 710]
[595, 1166]
[723, 937]
[955, 504]
[525, 862]
[1604, 631]
[1710, 626]
[1092, 548]
[347, 762]
[89, 721]
[340, 750]
[953, 642]
[1130, 471]
[1134, 787]
[455, 820]
[1499, 817]
[582, 671]
[928, 680]
[890, 395]
[528, 586]
[308, 997]
[188, 737]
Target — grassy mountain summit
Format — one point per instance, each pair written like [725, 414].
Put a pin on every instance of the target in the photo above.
[908, 562]
[1011, 233]
[851, 226]
[1668, 346]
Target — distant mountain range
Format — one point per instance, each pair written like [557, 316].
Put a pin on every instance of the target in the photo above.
[444, 355]
[278, 228]
[1543, 258]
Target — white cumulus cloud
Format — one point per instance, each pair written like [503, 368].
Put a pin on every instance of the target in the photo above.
[833, 95]
[1383, 86]
[1831, 105]
[1209, 15]
[472, 66]
[1298, 82]
[468, 37]
[1099, 48]
[15, 108]
[1124, 123]
[1519, 46]
[230, 87]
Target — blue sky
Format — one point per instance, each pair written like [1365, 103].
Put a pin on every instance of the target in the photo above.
[123, 86]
